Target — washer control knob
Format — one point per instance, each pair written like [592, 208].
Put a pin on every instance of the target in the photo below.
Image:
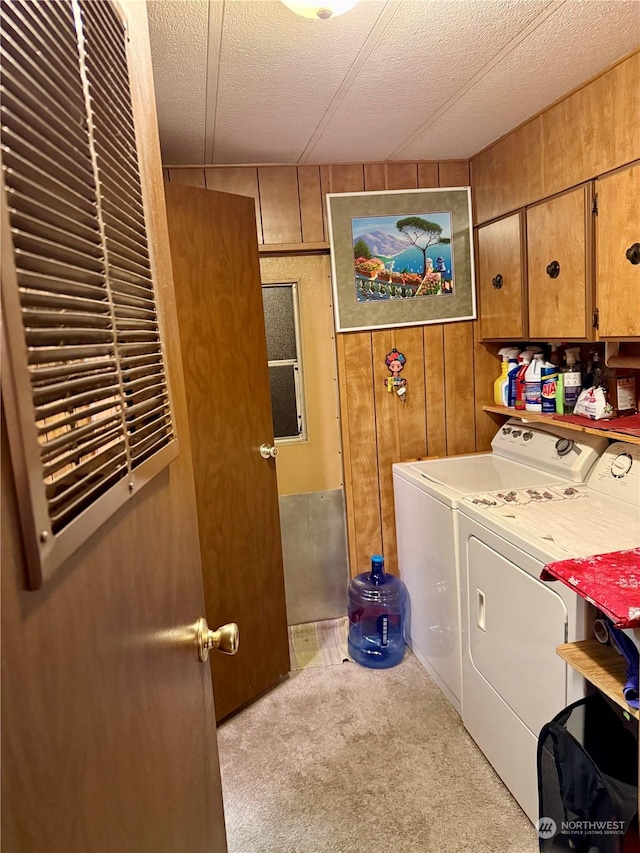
[506, 430]
[563, 446]
[528, 436]
[517, 433]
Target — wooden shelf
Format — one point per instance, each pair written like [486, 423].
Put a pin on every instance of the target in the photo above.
[319, 248]
[600, 665]
[536, 417]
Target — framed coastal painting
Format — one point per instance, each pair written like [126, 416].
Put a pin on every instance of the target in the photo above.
[401, 257]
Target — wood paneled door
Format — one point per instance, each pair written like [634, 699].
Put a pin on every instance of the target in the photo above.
[501, 268]
[216, 269]
[560, 266]
[618, 253]
[108, 729]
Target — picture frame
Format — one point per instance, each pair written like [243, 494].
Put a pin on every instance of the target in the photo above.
[401, 257]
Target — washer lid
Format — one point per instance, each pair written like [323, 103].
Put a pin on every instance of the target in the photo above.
[458, 476]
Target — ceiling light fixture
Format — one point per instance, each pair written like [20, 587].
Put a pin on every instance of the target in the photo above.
[330, 9]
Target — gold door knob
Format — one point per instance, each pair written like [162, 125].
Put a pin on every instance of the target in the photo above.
[225, 639]
[267, 451]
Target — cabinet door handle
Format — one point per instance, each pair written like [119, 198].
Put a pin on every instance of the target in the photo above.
[633, 254]
[497, 282]
[553, 270]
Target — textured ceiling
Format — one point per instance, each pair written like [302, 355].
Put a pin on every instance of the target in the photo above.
[248, 81]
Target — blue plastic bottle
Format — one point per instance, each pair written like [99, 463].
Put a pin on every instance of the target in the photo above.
[377, 606]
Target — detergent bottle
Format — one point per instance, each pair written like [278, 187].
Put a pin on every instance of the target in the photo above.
[549, 379]
[525, 361]
[498, 384]
[533, 384]
[571, 381]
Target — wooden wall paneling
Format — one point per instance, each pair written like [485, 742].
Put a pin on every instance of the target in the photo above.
[237, 180]
[310, 204]
[574, 147]
[509, 174]
[400, 429]
[340, 179]
[188, 177]
[280, 204]
[374, 176]
[593, 130]
[459, 387]
[325, 187]
[486, 367]
[358, 422]
[606, 115]
[347, 481]
[454, 173]
[401, 176]
[348, 178]
[626, 111]
[435, 405]
[428, 175]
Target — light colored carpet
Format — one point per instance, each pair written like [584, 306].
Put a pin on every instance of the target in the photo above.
[343, 759]
[318, 643]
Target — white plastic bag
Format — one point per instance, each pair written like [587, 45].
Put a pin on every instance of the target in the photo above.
[593, 404]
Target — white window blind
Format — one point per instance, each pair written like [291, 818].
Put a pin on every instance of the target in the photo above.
[87, 401]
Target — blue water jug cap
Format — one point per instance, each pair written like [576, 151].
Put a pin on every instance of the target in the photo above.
[377, 569]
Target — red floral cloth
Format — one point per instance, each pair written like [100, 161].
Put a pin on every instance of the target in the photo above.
[610, 581]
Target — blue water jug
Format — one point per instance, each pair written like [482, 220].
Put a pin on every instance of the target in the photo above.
[377, 605]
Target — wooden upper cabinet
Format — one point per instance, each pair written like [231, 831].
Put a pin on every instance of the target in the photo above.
[500, 278]
[618, 253]
[560, 269]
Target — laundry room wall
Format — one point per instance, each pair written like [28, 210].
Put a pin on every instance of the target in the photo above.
[310, 482]
[449, 373]
[592, 130]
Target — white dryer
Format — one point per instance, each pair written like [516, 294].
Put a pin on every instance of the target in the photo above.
[513, 680]
[427, 496]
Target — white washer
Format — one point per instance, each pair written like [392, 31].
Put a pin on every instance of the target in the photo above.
[427, 496]
[513, 680]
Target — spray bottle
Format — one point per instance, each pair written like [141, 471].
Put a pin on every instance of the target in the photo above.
[497, 385]
[554, 358]
[508, 388]
[533, 384]
[571, 385]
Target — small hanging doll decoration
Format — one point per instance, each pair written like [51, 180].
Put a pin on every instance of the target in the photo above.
[395, 362]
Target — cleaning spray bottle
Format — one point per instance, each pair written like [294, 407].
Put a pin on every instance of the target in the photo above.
[569, 383]
[497, 385]
[554, 358]
[533, 384]
[508, 388]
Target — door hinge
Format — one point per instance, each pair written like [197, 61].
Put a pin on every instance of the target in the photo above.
[594, 205]
[596, 319]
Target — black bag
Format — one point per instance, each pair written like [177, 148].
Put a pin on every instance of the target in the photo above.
[588, 780]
